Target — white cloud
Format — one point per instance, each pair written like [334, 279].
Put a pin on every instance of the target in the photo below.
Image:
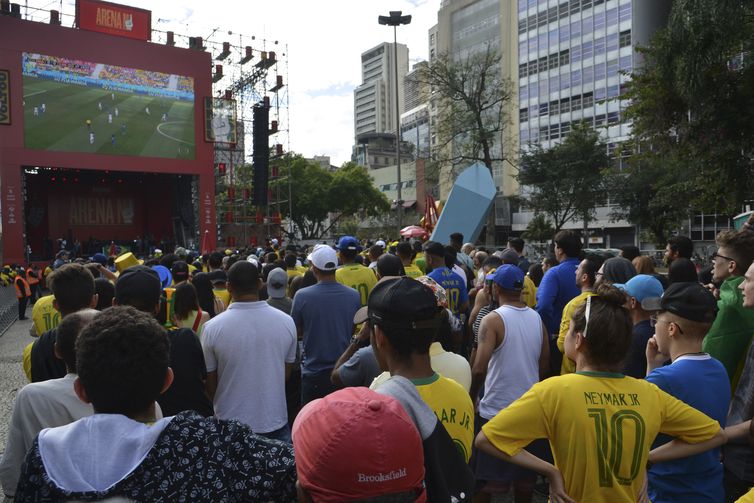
[325, 40]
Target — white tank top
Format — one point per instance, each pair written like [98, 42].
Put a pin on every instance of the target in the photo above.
[514, 365]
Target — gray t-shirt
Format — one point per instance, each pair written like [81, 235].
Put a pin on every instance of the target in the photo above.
[739, 457]
[360, 369]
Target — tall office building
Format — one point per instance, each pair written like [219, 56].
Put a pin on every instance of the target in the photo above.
[465, 28]
[573, 61]
[374, 99]
[415, 120]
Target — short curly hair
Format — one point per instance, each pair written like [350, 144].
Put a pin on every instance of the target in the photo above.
[122, 359]
[740, 245]
[73, 287]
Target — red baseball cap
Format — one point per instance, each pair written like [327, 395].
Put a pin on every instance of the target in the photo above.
[356, 444]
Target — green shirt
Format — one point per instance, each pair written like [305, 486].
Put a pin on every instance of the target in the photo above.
[729, 337]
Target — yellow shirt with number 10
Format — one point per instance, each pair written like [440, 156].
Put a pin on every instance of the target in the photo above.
[601, 427]
[44, 315]
[360, 278]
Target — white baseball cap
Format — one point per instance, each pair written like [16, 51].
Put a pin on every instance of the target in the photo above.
[380, 242]
[323, 257]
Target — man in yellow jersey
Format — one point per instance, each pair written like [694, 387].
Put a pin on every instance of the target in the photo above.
[44, 315]
[406, 254]
[419, 259]
[360, 278]
[290, 266]
[405, 319]
[219, 279]
[586, 275]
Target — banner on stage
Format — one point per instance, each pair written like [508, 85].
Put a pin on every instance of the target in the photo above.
[114, 19]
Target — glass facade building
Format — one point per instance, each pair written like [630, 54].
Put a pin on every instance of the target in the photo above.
[574, 58]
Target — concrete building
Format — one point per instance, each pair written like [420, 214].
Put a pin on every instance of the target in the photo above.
[573, 57]
[415, 130]
[465, 28]
[377, 150]
[374, 99]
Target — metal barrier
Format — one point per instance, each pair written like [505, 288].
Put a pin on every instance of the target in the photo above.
[8, 308]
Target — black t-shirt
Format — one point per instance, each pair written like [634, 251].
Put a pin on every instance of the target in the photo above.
[190, 372]
[636, 363]
[44, 364]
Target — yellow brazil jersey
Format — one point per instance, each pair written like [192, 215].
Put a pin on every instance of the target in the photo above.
[601, 427]
[223, 295]
[44, 315]
[292, 273]
[453, 407]
[529, 293]
[746, 498]
[568, 366]
[412, 271]
[360, 278]
[420, 262]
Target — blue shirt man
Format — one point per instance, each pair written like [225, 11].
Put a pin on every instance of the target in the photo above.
[439, 260]
[682, 317]
[557, 288]
[323, 314]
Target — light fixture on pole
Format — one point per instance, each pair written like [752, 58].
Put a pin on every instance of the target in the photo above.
[396, 19]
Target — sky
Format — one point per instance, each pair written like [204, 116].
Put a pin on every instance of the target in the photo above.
[325, 39]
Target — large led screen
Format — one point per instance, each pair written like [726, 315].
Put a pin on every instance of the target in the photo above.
[79, 106]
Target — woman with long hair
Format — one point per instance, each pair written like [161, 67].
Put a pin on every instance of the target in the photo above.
[206, 296]
[600, 423]
[187, 313]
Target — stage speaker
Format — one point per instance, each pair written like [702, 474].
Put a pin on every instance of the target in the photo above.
[261, 153]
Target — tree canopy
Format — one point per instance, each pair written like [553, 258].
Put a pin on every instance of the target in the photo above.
[472, 95]
[565, 182]
[318, 192]
[692, 108]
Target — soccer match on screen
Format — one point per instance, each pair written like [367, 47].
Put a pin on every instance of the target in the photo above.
[80, 106]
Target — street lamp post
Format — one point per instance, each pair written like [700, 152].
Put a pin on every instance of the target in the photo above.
[396, 19]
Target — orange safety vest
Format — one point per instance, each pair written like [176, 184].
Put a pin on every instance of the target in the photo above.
[27, 290]
[30, 276]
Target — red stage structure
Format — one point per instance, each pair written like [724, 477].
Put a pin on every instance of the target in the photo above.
[60, 192]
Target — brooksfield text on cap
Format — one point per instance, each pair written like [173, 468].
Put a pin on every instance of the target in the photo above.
[689, 300]
[356, 444]
[323, 258]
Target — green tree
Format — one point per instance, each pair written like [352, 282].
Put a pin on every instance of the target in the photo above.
[539, 229]
[565, 182]
[472, 95]
[692, 109]
[316, 192]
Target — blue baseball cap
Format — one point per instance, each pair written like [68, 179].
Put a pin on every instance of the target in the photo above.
[99, 258]
[641, 286]
[349, 243]
[508, 277]
[166, 279]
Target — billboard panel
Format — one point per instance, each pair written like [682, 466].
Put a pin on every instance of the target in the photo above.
[220, 120]
[114, 19]
[79, 106]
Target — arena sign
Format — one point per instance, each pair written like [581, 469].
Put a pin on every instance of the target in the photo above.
[114, 19]
[4, 97]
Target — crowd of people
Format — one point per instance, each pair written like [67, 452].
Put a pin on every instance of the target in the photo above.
[387, 372]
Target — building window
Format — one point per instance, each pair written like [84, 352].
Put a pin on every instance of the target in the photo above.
[523, 115]
[625, 38]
